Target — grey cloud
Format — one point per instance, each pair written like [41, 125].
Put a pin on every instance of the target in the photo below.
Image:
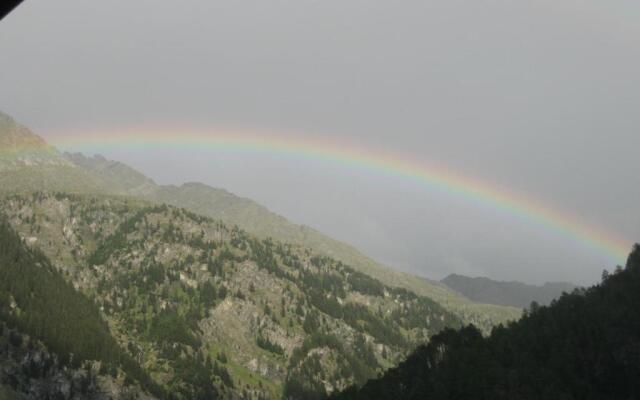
[539, 97]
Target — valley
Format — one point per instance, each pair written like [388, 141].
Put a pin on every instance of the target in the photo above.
[208, 294]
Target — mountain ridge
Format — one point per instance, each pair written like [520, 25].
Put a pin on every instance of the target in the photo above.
[19, 147]
[506, 293]
[84, 174]
[206, 308]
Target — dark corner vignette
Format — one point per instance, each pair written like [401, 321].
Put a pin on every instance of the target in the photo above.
[6, 6]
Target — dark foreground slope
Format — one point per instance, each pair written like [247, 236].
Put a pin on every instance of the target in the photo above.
[586, 345]
[514, 294]
[53, 342]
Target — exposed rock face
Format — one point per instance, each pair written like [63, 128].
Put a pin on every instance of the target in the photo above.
[31, 372]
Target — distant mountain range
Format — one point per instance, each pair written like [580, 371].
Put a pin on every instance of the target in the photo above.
[514, 294]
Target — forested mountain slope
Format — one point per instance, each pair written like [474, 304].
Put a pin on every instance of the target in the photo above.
[258, 220]
[515, 294]
[32, 165]
[205, 308]
[79, 358]
[585, 345]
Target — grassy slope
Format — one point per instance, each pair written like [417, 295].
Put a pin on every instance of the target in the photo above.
[51, 178]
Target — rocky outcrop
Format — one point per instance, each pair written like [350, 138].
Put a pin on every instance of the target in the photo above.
[31, 372]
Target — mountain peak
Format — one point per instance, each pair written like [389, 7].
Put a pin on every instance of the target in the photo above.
[14, 136]
[20, 147]
[118, 174]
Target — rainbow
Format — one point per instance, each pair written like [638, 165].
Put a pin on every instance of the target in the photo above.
[351, 155]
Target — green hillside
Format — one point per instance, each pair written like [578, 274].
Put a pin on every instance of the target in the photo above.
[76, 173]
[205, 308]
[37, 301]
[254, 218]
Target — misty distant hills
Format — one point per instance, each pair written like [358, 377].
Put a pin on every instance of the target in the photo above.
[514, 294]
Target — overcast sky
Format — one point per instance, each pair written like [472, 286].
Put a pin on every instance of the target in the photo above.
[541, 97]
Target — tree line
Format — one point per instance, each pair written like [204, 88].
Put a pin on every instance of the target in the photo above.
[585, 345]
